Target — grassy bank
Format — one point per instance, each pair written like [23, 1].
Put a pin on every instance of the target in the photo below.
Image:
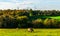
[24, 32]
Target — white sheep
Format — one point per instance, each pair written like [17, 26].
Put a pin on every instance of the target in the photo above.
[30, 30]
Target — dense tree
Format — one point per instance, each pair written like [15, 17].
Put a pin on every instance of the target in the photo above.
[51, 23]
[28, 18]
[37, 23]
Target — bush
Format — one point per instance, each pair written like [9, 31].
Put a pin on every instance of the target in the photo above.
[50, 23]
[22, 21]
[37, 23]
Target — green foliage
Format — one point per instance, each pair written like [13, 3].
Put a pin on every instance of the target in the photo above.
[29, 18]
[37, 23]
[47, 22]
[51, 22]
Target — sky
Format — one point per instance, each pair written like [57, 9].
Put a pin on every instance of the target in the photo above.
[30, 4]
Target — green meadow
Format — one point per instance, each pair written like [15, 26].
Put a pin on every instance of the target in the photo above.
[24, 32]
[56, 17]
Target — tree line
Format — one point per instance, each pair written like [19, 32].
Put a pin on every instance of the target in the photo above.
[28, 18]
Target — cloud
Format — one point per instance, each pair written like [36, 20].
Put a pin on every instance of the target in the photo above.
[26, 3]
[7, 5]
[22, 4]
[14, 4]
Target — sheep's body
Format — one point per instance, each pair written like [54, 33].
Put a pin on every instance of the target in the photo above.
[30, 30]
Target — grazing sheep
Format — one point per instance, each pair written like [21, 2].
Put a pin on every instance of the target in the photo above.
[30, 30]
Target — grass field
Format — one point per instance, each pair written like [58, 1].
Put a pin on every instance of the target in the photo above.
[53, 17]
[24, 32]
[56, 17]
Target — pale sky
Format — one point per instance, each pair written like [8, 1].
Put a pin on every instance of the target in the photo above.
[27, 4]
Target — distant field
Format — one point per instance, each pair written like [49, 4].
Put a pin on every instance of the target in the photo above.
[56, 17]
[44, 17]
[24, 32]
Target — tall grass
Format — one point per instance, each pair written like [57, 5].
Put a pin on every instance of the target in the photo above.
[24, 32]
